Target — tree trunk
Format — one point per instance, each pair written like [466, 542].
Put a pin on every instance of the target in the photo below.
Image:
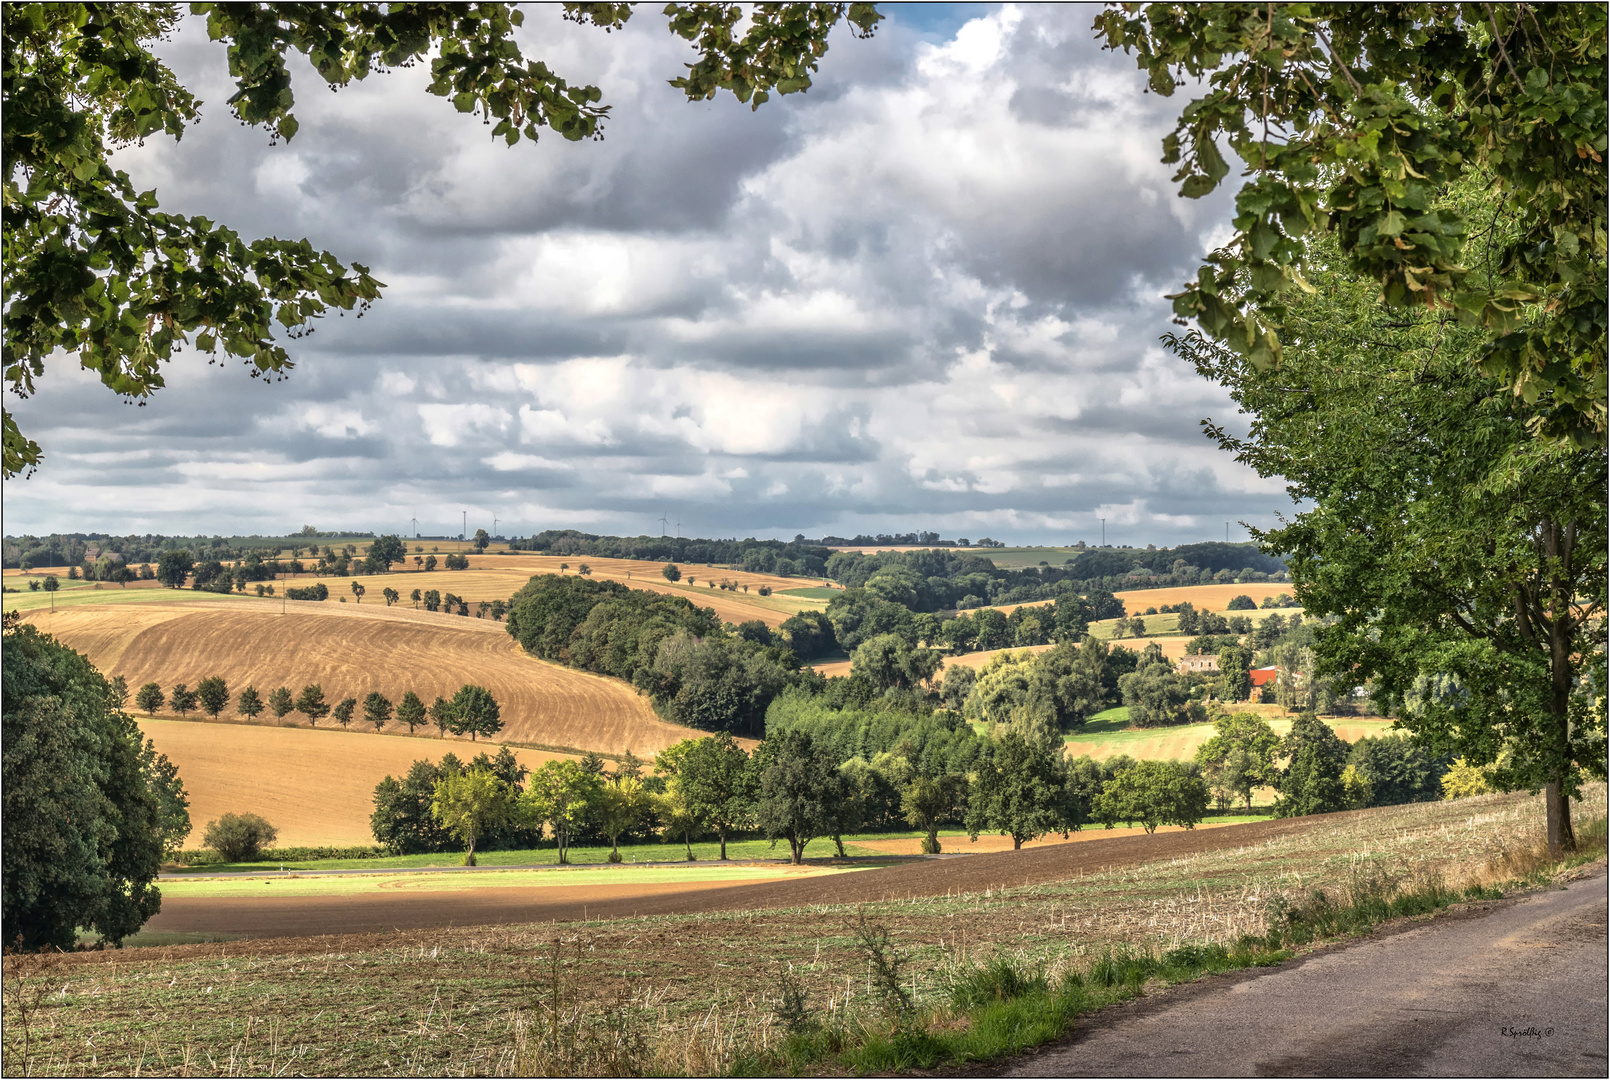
[723, 835]
[797, 850]
[1017, 843]
[839, 844]
[1557, 806]
[688, 844]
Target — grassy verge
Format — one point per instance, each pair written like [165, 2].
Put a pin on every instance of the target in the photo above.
[704, 852]
[774, 990]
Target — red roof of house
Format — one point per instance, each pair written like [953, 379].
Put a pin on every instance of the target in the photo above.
[1262, 675]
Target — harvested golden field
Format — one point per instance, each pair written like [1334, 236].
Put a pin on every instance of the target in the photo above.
[1202, 597]
[499, 577]
[316, 787]
[1180, 743]
[350, 650]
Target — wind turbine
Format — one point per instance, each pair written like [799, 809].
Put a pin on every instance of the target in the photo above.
[415, 523]
[494, 526]
[664, 522]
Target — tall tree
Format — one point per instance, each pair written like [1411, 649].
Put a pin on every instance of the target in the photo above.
[402, 820]
[798, 790]
[280, 702]
[249, 703]
[1459, 562]
[1312, 781]
[441, 714]
[150, 698]
[173, 567]
[410, 710]
[475, 712]
[377, 709]
[85, 826]
[620, 807]
[1154, 793]
[311, 704]
[383, 552]
[344, 709]
[470, 804]
[1240, 754]
[561, 794]
[718, 785]
[213, 695]
[1018, 790]
[181, 698]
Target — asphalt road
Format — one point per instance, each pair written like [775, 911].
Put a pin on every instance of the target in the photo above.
[1514, 988]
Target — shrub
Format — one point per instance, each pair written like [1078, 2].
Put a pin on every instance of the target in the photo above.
[998, 980]
[316, 591]
[1464, 780]
[239, 837]
[1241, 603]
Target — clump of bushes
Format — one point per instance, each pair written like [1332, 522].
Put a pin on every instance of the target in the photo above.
[239, 837]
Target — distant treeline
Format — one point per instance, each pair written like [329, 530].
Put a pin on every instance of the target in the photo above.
[927, 581]
[785, 559]
[76, 549]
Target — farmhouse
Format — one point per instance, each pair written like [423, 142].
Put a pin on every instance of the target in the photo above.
[1198, 662]
[1262, 676]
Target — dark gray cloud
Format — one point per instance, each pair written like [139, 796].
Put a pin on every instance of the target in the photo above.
[926, 294]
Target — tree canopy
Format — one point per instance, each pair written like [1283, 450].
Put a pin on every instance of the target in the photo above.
[90, 807]
[1459, 561]
[1353, 121]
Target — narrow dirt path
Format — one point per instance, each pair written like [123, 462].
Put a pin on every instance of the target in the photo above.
[1514, 988]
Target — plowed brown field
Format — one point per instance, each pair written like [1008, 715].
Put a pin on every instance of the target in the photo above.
[350, 650]
[316, 787]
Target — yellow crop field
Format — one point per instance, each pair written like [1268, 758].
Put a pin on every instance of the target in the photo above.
[1180, 743]
[350, 650]
[499, 577]
[1202, 597]
[316, 787]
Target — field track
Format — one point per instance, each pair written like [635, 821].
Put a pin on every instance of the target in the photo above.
[350, 650]
[310, 916]
[316, 787]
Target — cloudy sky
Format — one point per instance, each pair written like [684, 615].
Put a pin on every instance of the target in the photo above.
[925, 295]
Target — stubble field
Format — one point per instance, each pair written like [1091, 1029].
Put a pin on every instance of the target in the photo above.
[315, 786]
[700, 972]
[350, 650]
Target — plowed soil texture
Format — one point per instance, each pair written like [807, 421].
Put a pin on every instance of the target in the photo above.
[314, 917]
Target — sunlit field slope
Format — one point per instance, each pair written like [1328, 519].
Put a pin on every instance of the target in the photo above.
[350, 650]
[315, 787]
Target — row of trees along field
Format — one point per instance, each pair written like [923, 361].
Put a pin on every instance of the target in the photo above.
[830, 772]
[472, 711]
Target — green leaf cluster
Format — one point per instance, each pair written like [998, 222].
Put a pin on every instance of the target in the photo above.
[1353, 121]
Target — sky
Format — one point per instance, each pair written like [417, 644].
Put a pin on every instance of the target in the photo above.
[925, 295]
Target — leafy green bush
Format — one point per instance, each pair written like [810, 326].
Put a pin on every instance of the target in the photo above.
[239, 837]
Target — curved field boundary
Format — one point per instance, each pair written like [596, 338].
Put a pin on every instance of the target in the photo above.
[315, 787]
[306, 917]
[350, 650]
